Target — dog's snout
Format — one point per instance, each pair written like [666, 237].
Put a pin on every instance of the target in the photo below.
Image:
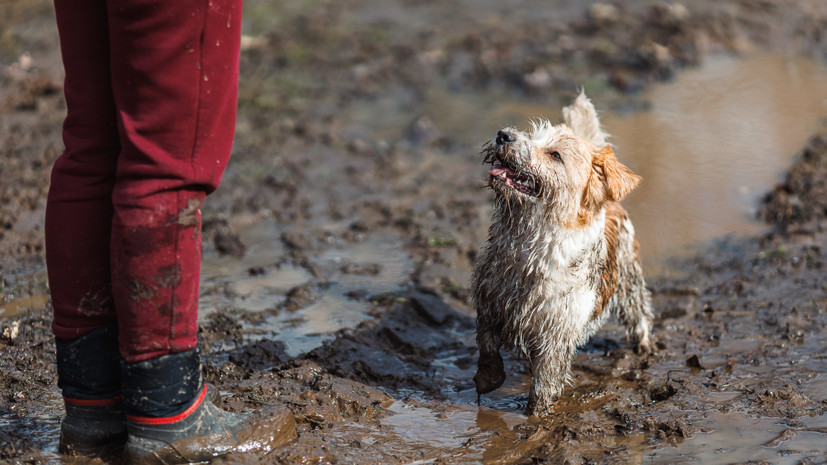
[503, 137]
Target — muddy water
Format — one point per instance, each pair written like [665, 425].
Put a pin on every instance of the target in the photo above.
[11, 307]
[331, 310]
[709, 144]
[742, 438]
[713, 142]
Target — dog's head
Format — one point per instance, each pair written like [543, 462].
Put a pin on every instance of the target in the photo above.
[567, 170]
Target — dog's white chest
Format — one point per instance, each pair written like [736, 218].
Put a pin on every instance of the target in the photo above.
[566, 266]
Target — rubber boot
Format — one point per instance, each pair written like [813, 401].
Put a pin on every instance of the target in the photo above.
[97, 430]
[89, 376]
[165, 429]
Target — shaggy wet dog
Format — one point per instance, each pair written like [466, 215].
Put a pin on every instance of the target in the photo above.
[561, 253]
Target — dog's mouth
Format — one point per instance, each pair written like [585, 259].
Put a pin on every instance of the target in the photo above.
[505, 175]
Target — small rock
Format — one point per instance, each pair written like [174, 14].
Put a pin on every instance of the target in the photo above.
[694, 362]
[12, 331]
[227, 243]
[422, 131]
[538, 79]
[785, 435]
[251, 42]
[432, 308]
[603, 13]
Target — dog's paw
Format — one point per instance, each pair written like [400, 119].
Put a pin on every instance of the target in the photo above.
[644, 347]
[539, 408]
[490, 372]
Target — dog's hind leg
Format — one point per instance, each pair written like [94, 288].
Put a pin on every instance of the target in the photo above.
[637, 318]
[633, 302]
[635, 312]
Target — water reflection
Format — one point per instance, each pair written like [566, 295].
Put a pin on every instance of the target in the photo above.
[714, 141]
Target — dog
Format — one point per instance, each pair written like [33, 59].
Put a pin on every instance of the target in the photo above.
[561, 253]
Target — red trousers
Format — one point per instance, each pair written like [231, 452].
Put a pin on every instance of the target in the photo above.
[151, 89]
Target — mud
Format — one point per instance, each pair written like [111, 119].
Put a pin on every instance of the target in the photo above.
[338, 249]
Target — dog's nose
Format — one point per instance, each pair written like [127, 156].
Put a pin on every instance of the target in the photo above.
[503, 138]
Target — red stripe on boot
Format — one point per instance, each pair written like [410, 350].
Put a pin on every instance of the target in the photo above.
[174, 418]
[94, 402]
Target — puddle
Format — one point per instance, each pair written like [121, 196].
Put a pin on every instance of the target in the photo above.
[817, 387]
[264, 248]
[42, 430]
[510, 398]
[734, 437]
[710, 144]
[307, 328]
[466, 432]
[433, 429]
[260, 291]
[12, 307]
[713, 142]
[380, 255]
[353, 272]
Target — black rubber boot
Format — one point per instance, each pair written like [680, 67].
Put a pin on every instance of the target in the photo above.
[93, 430]
[88, 371]
[165, 430]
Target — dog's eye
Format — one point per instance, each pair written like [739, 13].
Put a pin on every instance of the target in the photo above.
[555, 155]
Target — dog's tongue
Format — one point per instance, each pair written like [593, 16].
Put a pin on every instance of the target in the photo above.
[496, 170]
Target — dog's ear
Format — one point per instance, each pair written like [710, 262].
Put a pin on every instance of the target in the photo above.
[612, 180]
[582, 118]
[620, 180]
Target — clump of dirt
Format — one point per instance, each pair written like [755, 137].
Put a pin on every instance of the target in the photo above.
[799, 204]
[398, 351]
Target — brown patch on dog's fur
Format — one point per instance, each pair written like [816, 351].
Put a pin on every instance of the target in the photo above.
[615, 215]
[637, 251]
[609, 181]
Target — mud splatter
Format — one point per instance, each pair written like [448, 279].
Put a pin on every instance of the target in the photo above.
[97, 303]
[189, 215]
[138, 291]
[168, 277]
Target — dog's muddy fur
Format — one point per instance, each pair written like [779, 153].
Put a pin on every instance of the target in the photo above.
[561, 253]
[739, 369]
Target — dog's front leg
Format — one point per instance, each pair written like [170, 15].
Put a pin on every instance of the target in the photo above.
[549, 372]
[490, 370]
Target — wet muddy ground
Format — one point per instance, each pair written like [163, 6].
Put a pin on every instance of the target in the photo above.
[338, 249]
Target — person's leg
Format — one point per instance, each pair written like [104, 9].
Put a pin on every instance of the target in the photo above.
[78, 228]
[175, 76]
[174, 71]
[79, 206]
